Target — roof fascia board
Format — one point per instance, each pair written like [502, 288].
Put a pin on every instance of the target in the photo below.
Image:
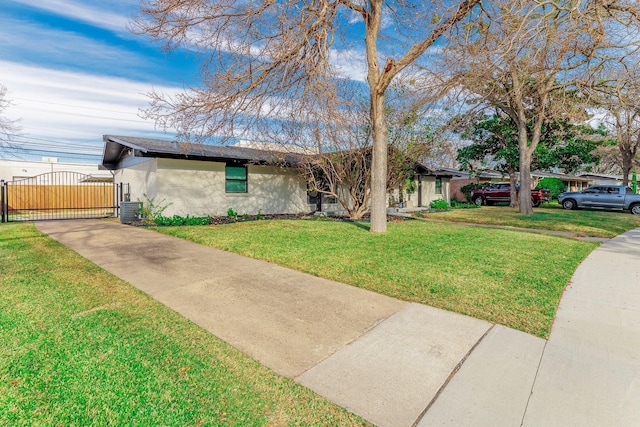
[127, 144]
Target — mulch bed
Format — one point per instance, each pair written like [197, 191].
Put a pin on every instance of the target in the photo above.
[220, 220]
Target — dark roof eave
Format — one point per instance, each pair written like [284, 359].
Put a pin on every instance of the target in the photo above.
[153, 148]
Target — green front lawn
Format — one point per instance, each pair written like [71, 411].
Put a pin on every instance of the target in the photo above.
[591, 223]
[79, 347]
[508, 277]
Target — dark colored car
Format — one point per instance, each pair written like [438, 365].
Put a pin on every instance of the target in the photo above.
[501, 192]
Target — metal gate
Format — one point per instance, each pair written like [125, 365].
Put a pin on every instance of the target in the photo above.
[60, 195]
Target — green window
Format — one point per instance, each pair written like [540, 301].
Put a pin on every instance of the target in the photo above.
[235, 179]
[438, 185]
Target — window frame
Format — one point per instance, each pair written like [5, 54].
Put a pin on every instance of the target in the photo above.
[438, 185]
[228, 180]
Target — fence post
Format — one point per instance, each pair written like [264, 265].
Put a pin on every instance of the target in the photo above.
[2, 199]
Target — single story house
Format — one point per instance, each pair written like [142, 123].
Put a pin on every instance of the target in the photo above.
[603, 179]
[572, 182]
[462, 178]
[428, 185]
[199, 180]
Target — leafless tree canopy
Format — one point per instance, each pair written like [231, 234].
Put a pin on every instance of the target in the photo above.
[617, 94]
[519, 53]
[8, 128]
[269, 60]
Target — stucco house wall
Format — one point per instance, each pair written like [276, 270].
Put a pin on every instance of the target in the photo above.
[191, 187]
[429, 192]
[141, 177]
[192, 179]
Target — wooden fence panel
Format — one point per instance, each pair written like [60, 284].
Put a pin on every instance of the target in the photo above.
[51, 197]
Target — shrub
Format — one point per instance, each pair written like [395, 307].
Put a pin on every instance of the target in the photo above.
[232, 214]
[459, 205]
[467, 189]
[439, 204]
[177, 220]
[150, 209]
[554, 185]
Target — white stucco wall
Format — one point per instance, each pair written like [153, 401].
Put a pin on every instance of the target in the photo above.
[429, 190]
[141, 177]
[428, 193]
[197, 188]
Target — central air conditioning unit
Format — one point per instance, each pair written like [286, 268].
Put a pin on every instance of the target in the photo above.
[129, 211]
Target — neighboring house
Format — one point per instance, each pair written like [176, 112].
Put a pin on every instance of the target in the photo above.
[270, 146]
[572, 182]
[428, 185]
[12, 170]
[195, 179]
[462, 178]
[602, 179]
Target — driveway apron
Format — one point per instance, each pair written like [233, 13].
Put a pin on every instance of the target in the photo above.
[289, 322]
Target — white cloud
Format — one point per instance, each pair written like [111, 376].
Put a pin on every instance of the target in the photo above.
[37, 43]
[350, 64]
[97, 16]
[71, 106]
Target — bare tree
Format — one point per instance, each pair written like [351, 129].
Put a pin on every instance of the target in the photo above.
[619, 98]
[8, 128]
[340, 163]
[265, 59]
[529, 58]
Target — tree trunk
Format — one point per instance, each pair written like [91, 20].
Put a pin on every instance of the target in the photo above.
[627, 161]
[626, 170]
[378, 165]
[524, 196]
[513, 193]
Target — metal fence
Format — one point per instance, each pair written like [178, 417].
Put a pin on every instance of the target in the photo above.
[60, 195]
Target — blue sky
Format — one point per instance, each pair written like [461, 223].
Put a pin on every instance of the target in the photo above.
[74, 72]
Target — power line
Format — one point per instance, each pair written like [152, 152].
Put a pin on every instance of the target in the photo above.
[49, 150]
[89, 157]
[51, 140]
[57, 145]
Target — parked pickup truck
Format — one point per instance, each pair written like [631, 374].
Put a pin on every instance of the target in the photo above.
[604, 197]
[501, 192]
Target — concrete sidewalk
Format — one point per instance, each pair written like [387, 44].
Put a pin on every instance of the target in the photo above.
[393, 363]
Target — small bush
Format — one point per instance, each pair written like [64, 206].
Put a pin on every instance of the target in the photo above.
[460, 205]
[439, 204]
[468, 189]
[150, 209]
[554, 185]
[232, 214]
[177, 220]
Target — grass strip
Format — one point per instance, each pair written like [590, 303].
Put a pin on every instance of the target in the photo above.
[80, 347]
[590, 223]
[508, 277]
